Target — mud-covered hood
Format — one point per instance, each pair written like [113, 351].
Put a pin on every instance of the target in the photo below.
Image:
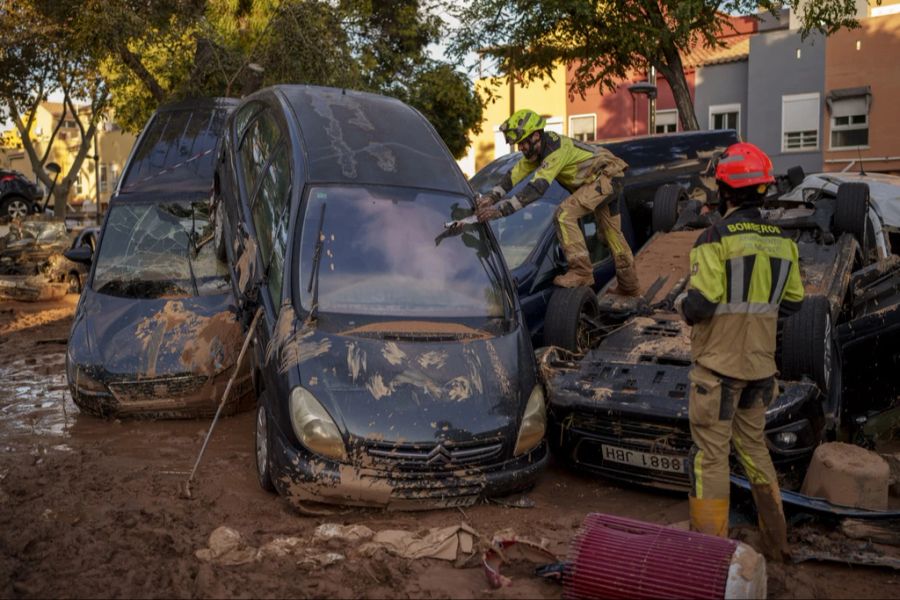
[391, 389]
[133, 337]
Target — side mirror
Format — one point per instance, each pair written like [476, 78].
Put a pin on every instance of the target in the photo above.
[81, 254]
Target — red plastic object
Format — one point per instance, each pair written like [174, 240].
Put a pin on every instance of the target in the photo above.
[614, 557]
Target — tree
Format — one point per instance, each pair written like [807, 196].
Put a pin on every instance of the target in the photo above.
[603, 41]
[38, 59]
[391, 40]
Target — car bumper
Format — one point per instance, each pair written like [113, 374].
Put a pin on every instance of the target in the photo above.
[302, 477]
[185, 396]
[652, 451]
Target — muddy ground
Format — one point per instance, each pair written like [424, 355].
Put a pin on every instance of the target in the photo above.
[91, 508]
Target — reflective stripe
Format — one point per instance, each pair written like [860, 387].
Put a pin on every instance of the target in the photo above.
[780, 268]
[746, 308]
[498, 189]
[730, 159]
[515, 203]
[698, 474]
[754, 474]
[735, 277]
[749, 175]
[562, 226]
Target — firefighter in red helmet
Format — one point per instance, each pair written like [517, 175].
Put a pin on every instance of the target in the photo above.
[744, 276]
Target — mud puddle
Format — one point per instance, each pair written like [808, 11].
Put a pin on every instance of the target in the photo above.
[91, 507]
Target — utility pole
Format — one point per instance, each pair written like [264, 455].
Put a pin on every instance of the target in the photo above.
[97, 173]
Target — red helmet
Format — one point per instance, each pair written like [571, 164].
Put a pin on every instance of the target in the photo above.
[743, 165]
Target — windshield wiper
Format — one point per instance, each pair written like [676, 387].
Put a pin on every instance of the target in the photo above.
[314, 275]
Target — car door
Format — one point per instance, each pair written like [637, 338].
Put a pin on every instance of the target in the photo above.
[264, 174]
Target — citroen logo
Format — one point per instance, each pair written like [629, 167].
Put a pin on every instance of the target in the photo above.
[439, 455]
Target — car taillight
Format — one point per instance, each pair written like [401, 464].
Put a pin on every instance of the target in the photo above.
[6, 178]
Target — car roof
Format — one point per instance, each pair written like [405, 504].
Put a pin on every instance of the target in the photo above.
[356, 137]
[175, 148]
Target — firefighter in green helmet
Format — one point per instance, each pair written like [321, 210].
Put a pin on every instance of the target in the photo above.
[592, 175]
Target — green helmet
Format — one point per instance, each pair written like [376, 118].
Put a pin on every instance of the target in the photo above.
[521, 124]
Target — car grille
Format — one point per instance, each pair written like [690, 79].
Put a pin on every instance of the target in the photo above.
[157, 389]
[434, 457]
[588, 433]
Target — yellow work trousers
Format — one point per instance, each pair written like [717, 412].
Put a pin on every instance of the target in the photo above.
[725, 412]
[595, 197]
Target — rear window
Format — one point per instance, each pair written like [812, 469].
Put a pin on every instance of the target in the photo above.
[175, 151]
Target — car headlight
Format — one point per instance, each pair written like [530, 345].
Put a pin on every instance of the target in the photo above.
[314, 427]
[534, 422]
[82, 381]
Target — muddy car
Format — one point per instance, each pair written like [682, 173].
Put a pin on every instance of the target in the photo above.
[528, 236]
[393, 365]
[156, 333]
[32, 265]
[622, 409]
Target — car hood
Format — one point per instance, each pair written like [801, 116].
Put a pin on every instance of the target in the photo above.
[138, 337]
[379, 384]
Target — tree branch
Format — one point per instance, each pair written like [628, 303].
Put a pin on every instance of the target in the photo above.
[133, 62]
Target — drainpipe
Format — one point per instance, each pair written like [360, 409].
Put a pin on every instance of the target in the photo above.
[651, 105]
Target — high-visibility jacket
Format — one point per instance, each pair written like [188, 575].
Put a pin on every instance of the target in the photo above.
[570, 162]
[744, 272]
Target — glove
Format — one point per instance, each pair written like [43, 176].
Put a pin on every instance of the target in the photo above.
[486, 200]
[487, 213]
[679, 304]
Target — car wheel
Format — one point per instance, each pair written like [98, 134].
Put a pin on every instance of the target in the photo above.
[569, 320]
[665, 207]
[851, 210]
[219, 232]
[74, 282]
[263, 468]
[15, 208]
[807, 347]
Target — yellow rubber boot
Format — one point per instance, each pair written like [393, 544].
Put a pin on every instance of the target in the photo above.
[709, 515]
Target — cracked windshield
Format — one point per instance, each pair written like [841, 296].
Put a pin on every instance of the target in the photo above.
[156, 251]
[386, 252]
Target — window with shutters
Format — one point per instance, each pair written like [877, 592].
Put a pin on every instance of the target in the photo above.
[725, 116]
[583, 127]
[666, 121]
[849, 122]
[800, 122]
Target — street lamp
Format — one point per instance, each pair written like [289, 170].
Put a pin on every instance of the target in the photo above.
[642, 87]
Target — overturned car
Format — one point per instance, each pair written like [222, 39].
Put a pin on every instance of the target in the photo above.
[621, 410]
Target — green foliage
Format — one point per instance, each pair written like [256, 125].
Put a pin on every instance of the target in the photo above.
[447, 100]
[604, 40]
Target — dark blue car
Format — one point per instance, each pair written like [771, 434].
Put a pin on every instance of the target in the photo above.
[664, 172]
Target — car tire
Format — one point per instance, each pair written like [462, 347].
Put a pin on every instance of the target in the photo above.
[15, 207]
[665, 207]
[219, 232]
[263, 447]
[565, 324]
[807, 344]
[851, 210]
[73, 280]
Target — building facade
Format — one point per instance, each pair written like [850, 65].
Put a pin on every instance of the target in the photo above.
[112, 146]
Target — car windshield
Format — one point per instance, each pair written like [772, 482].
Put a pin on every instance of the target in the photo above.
[385, 252]
[157, 250]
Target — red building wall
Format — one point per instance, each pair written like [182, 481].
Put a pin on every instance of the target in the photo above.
[618, 115]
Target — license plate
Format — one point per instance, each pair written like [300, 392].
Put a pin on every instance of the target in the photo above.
[646, 460]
